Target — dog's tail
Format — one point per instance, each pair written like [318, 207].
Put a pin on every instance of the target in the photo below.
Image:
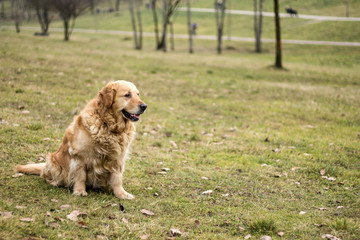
[35, 168]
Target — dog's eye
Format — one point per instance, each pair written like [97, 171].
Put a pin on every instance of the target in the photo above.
[128, 95]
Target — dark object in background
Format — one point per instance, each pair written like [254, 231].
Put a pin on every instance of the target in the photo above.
[291, 11]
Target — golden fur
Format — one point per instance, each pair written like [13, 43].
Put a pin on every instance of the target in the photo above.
[96, 144]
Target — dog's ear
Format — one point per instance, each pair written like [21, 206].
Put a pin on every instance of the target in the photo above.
[106, 96]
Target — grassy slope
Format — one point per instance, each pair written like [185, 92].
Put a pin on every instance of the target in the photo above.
[242, 26]
[189, 95]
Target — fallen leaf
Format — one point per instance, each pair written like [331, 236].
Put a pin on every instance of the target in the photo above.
[59, 219]
[302, 213]
[321, 208]
[175, 232]
[16, 175]
[26, 219]
[280, 234]
[276, 150]
[173, 144]
[102, 237]
[205, 178]
[83, 224]
[322, 172]
[48, 214]
[247, 236]
[73, 216]
[65, 206]
[277, 175]
[162, 173]
[6, 215]
[207, 192]
[338, 207]
[310, 126]
[225, 195]
[54, 200]
[165, 169]
[20, 207]
[331, 179]
[145, 236]
[125, 220]
[329, 236]
[147, 212]
[46, 139]
[265, 238]
[294, 168]
[197, 222]
[25, 112]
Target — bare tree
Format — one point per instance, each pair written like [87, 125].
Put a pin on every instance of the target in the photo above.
[189, 27]
[135, 22]
[156, 25]
[258, 17]
[42, 9]
[278, 61]
[169, 8]
[220, 6]
[2, 14]
[17, 13]
[117, 5]
[69, 10]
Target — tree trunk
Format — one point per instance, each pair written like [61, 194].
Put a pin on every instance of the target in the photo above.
[156, 27]
[229, 20]
[256, 25]
[278, 61]
[189, 27]
[41, 22]
[17, 26]
[138, 14]
[131, 8]
[219, 6]
[260, 24]
[46, 21]
[162, 44]
[66, 29]
[117, 5]
[3, 16]
[92, 6]
[172, 36]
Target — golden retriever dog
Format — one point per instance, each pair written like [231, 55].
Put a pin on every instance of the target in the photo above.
[96, 144]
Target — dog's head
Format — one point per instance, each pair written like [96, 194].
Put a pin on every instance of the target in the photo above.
[123, 98]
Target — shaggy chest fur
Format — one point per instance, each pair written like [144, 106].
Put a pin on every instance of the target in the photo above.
[108, 152]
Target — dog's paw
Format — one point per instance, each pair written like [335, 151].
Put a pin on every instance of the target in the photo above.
[80, 193]
[124, 195]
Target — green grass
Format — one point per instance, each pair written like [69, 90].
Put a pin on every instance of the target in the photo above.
[227, 115]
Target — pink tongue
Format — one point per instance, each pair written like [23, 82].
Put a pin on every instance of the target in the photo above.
[135, 115]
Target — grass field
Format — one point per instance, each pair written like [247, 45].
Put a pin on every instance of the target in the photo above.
[241, 26]
[263, 138]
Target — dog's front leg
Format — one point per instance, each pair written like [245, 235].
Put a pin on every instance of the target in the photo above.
[116, 186]
[79, 178]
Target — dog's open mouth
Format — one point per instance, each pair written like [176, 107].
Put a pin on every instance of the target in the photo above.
[130, 116]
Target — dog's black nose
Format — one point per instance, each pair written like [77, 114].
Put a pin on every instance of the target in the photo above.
[143, 106]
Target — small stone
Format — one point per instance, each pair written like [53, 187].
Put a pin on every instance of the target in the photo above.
[175, 232]
[265, 238]
[207, 192]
